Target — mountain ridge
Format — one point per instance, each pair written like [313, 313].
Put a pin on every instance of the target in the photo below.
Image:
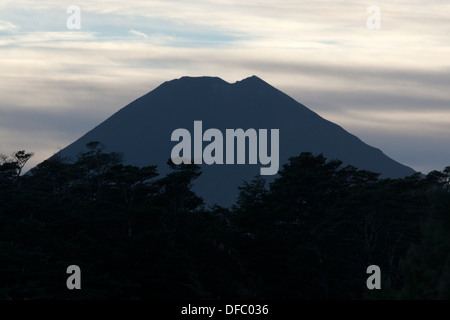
[142, 129]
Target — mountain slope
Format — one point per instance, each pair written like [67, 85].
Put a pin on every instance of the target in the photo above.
[142, 130]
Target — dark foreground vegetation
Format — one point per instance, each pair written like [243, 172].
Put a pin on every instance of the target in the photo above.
[311, 234]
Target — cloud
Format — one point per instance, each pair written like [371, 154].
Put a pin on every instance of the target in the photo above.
[6, 26]
[138, 33]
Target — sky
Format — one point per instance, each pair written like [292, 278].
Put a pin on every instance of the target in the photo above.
[384, 78]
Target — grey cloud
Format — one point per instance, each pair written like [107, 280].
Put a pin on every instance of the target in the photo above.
[43, 132]
[394, 75]
[68, 124]
[325, 100]
[421, 152]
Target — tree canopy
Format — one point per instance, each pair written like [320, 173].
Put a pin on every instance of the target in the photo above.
[310, 234]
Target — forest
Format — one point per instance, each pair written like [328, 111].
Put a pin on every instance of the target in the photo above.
[310, 234]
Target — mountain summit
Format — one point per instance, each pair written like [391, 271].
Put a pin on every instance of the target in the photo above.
[142, 130]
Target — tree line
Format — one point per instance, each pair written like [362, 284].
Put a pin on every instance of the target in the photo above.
[310, 234]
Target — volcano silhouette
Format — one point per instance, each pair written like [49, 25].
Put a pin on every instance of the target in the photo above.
[142, 131]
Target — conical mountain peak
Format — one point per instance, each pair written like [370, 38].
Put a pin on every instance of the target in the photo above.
[143, 131]
[197, 81]
[253, 80]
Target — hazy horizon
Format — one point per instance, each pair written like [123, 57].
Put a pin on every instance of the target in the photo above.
[386, 86]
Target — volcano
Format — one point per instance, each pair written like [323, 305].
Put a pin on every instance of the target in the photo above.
[142, 131]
